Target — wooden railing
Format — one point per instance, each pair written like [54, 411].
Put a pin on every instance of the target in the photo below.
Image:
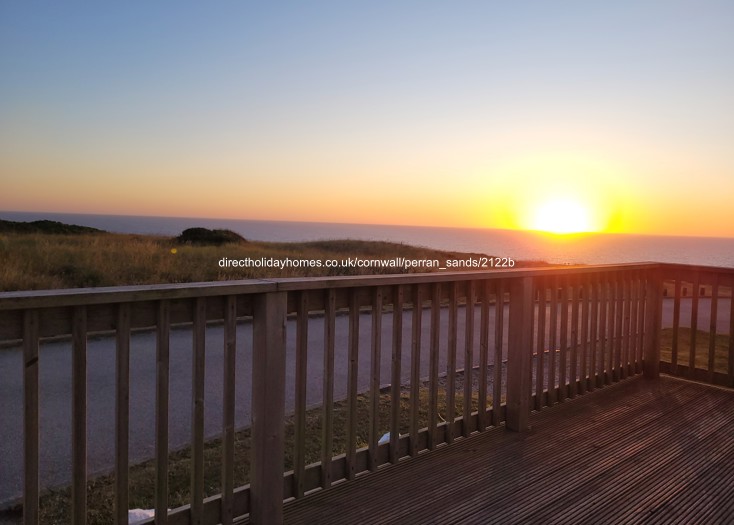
[435, 357]
[692, 323]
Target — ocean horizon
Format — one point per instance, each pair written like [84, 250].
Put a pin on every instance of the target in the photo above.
[589, 248]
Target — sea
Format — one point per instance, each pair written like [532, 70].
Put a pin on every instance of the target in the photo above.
[594, 248]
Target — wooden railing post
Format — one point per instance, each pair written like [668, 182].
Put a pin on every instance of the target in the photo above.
[653, 324]
[520, 348]
[79, 416]
[31, 417]
[268, 409]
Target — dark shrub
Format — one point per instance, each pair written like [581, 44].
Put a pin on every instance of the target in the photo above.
[204, 236]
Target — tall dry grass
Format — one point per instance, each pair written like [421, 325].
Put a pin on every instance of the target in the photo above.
[44, 261]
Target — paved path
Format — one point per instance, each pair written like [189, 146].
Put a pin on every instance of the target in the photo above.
[55, 395]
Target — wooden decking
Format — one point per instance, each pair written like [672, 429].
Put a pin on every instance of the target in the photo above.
[640, 451]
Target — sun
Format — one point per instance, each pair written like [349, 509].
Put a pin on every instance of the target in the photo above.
[562, 216]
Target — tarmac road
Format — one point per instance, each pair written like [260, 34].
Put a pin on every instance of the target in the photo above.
[55, 380]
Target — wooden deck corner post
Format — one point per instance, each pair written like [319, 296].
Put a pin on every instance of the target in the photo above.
[520, 348]
[268, 409]
[653, 324]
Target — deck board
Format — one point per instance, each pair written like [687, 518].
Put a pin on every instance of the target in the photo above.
[641, 451]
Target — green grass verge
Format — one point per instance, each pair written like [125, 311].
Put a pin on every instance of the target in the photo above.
[703, 339]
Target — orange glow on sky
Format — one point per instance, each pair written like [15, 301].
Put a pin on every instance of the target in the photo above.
[599, 117]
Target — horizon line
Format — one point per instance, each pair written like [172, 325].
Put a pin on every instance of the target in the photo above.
[487, 228]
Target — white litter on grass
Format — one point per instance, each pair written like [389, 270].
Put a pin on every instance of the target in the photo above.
[384, 439]
[136, 515]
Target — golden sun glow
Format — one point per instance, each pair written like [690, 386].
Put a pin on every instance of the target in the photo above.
[562, 216]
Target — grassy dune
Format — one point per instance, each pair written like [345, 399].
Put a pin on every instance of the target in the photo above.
[36, 261]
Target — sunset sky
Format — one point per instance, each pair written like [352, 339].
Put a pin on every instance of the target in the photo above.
[477, 114]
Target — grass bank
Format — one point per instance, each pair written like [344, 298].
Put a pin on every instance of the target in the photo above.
[703, 339]
[38, 261]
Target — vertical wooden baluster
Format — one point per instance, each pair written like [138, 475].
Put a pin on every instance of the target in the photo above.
[228, 407]
[327, 435]
[694, 326]
[574, 372]
[79, 416]
[633, 349]
[676, 326]
[640, 320]
[563, 388]
[653, 323]
[612, 324]
[730, 367]
[611, 303]
[593, 331]
[540, 369]
[451, 363]
[499, 325]
[712, 326]
[603, 303]
[161, 412]
[623, 323]
[610, 329]
[531, 338]
[584, 343]
[375, 377]
[415, 369]
[601, 333]
[395, 381]
[299, 456]
[618, 325]
[626, 306]
[433, 368]
[353, 375]
[198, 373]
[643, 313]
[614, 312]
[483, 356]
[468, 354]
[30, 416]
[122, 413]
[631, 328]
[552, 346]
